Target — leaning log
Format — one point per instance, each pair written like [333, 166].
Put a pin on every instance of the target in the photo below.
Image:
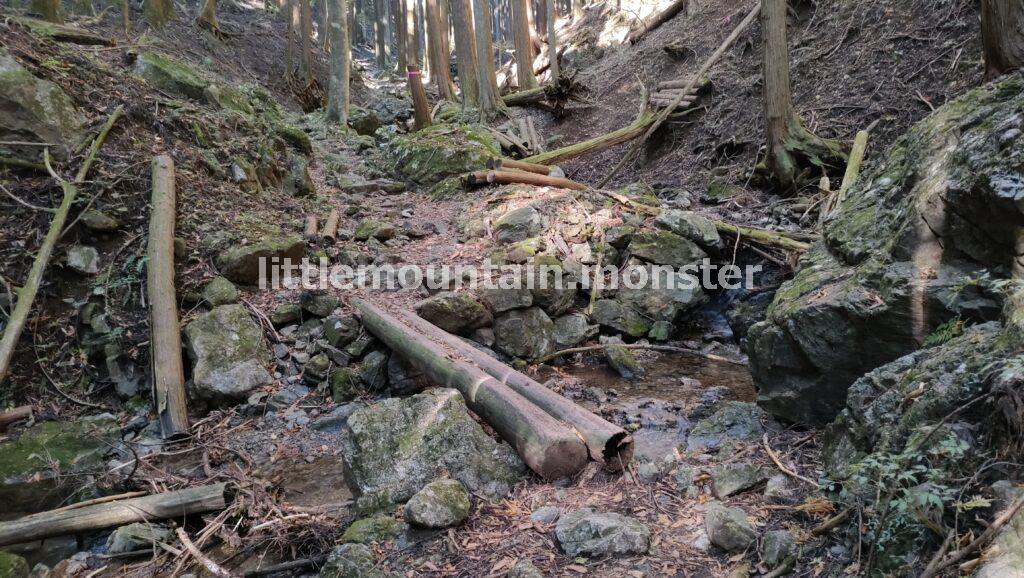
[599, 143]
[545, 445]
[521, 178]
[498, 164]
[168, 369]
[165, 506]
[661, 18]
[606, 443]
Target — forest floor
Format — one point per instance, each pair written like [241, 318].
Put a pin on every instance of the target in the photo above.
[855, 63]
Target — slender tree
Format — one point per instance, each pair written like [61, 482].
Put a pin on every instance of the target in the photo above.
[438, 51]
[1002, 36]
[552, 38]
[401, 52]
[157, 12]
[306, 38]
[523, 44]
[489, 100]
[380, 33]
[791, 147]
[126, 18]
[208, 16]
[465, 51]
[50, 10]
[412, 38]
[341, 64]
[291, 16]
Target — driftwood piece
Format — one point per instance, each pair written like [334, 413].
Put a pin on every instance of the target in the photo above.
[27, 294]
[661, 18]
[168, 369]
[606, 443]
[420, 106]
[521, 177]
[167, 505]
[330, 230]
[545, 445]
[14, 415]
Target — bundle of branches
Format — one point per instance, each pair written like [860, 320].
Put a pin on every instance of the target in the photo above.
[553, 96]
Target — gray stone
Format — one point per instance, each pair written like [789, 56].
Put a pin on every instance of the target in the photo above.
[728, 528]
[589, 533]
[524, 333]
[374, 529]
[429, 156]
[546, 515]
[316, 368]
[500, 300]
[351, 561]
[573, 329]
[403, 378]
[373, 371]
[733, 420]
[778, 545]
[220, 291]
[619, 237]
[622, 360]
[517, 225]
[340, 331]
[439, 504]
[287, 396]
[137, 536]
[364, 122]
[229, 355]
[395, 447]
[297, 181]
[286, 313]
[524, 569]
[170, 75]
[551, 290]
[778, 490]
[736, 477]
[664, 297]
[100, 222]
[620, 317]
[691, 225]
[241, 264]
[83, 259]
[665, 248]
[321, 305]
[458, 313]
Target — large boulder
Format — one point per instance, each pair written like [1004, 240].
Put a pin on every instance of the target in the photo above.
[429, 156]
[897, 259]
[524, 333]
[457, 313]
[241, 264]
[589, 533]
[229, 354]
[691, 225]
[171, 76]
[34, 110]
[393, 448]
[665, 248]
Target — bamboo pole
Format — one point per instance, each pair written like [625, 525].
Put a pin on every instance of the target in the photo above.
[547, 446]
[27, 294]
[330, 230]
[421, 109]
[168, 505]
[661, 18]
[168, 370]
[606, 443]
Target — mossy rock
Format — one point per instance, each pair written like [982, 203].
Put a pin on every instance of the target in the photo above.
[431, 155]
[227, 348]
[13, 566]
[295, 136]
[374, 529]
[228, 98]
[171, 75]
[241, 264]
[35, 110]
[364, 122]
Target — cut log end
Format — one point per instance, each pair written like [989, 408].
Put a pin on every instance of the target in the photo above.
[618, 451]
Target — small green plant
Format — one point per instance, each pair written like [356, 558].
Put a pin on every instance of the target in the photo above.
[943, 333]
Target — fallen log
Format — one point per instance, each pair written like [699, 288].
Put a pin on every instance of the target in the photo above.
[553, 95]
[330, 230]
[547, 446]
[606, 443]
[165, 506]
[661, 18]
[14, 415]
[167, 367]
[27, 294]
[522, 178]
[498, 164]
[598, 143]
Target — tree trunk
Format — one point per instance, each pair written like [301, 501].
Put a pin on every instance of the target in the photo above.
[306, 32]
[126, 18]
[549, 7]
[412, 37]
[577, 9]
[157, 12]
[489, 100]
[441, 73]
[291, 13]
[380, 33]
[465, 51]
[401, 52]
[168, 370]
[421, 37]
[208, 16]
[50, 10]
[791, 147]
[420, 106]
[523, 45]
[1002, 36]
[341, 65]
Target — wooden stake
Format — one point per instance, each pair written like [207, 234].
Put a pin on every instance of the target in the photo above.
[421, 108]
[547, 446]
[309, 232]
[168, 370]
[168, 505]
[27, 294]
[330, 230]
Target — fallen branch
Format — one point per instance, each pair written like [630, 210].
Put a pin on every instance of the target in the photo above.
[521, 178]
[664, 348]
[694, 81]
[546, 445]
[599, 143]
[168, 505]
[661, 18]
[211, 566]
[935, 567]
[831, 523]
[27, 294]
[498, 164]
[14, 416]
[775, 458]
[330, 230]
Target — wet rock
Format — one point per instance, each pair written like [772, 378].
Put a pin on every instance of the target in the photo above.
[573, 329]
[242, 264]
[517, 225]
[620, 317]
[524, 333]
[484, 336]
[220, 291]
[728, 528]
[734, 420]
[13, 566]
[137, 536]
[364, 122]
[546, 515]
[228, 352]
[35, 110]
[778, 546]
[779, 490]
[286, 313]
[360, 346]
[373, 371]
[351, 561]
[336, 419]
[395, 447]
[942, 207]
[320, 305]
[83, 259]
[692, 226]
[622, 360]
[665, 248]
[403, 378]
[457, 313]
[340, 331]
[100, 222]
[664, 297]
[551, 290]
[524, 569]
[439, 504]
[297, 181]
[499, 300]
[373, 529]
[431, 155]
[734, 478]
[170, 75]
[744, 314]
[589, 533]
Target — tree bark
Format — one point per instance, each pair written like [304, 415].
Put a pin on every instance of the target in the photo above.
[523, 45]
[165, 506]
[420, 106]
[14, 416]
[401, 52]
[465, 51]
[438, 50]
[380, 33]
[157, 12]
[168, 370]
[1002, 36]
[549, 7]
[489, 101]
[49, 10]
[208, 16]
[341, 65]
[577, 9]
[306, 32]
[547, 446]
[791, 147]
[291, 15]
[412, 37]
